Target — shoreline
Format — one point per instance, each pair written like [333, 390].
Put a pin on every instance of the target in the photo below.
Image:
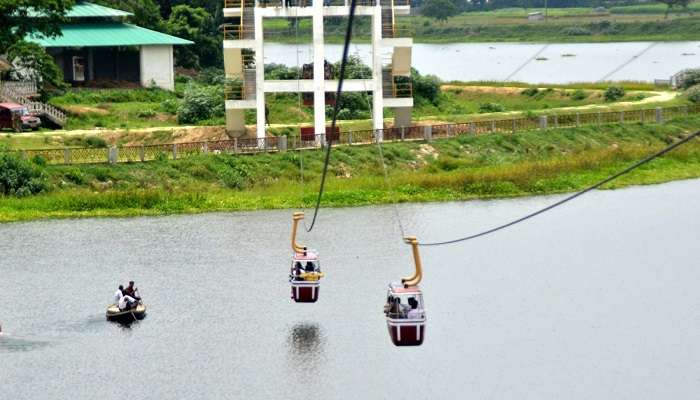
[488, 166]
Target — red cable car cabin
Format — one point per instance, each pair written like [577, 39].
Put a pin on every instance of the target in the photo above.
[405, 315]
[404, 309]
[306, 272]
[304, 277]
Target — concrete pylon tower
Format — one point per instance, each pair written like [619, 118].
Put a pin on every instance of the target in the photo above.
[244, 57]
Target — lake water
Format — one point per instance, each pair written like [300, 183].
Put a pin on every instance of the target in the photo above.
[597, 299]
[571, 62]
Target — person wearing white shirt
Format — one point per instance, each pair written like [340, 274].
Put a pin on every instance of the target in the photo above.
[126, 303]
[118, 294]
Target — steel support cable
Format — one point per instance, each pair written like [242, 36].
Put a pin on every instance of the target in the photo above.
[528, 61]
[628, 62]
[573, 196]
[336, 107]
[388, 187]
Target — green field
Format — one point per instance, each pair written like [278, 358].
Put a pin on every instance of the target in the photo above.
[623, 23]
[466, 167]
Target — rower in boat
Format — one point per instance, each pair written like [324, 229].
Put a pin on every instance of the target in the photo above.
[305, 272]
[126, 309]
[404, 309]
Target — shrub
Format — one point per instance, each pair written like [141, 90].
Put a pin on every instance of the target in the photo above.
[576, 31]
[95, 141]
[491, 107]
[146, 113]
[19, 177]
[201, 103]
[426, 88]
[170, 106]
[614, 93]
[530, 92]
[690, 79]
[74, 175]
[579, 94]
[693, 94]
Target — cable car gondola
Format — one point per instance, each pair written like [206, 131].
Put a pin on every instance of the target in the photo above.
[404, 309]
[305, 272]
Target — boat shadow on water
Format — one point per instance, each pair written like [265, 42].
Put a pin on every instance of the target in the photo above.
[10, 344]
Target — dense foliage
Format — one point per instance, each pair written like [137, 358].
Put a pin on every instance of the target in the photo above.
[690, 79]
[19, 177]
[201, 103]
[15, 22]
[31, 62]
[614, 93]
[693, 94]
[441, 10]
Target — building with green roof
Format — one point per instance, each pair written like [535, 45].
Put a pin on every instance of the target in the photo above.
[98, 47]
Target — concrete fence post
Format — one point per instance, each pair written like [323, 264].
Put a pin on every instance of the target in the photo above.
[403, 133]
[205, 147]
[622, 117]
[66, 156]
[600, 118]
[174, 151]
[472, 128]
[685, 110]
[282, 143]
[350, 138]
[659, 115]
[449, 130]
[513, 128]
[235, 145]
[493, 126]
[23, 154]
[556, 121]
[578, 119]
[142, 153]
[428, 133]
[543, 122]
[643, 112]
[112, 155]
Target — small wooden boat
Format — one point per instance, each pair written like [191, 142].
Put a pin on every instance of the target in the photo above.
[114, 314]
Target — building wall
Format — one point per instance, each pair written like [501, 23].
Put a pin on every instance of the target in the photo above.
[101, 64]
[157, 66]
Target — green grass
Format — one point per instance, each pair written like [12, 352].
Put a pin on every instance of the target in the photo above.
[466, 167]
[626, 23]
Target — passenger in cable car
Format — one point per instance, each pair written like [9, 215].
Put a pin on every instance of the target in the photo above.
[297, 271]
[310, 267]
[414, 312]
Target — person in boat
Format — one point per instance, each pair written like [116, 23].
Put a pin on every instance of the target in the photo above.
[127, 303]
[118, 294]
[131, 291]
[414, 312]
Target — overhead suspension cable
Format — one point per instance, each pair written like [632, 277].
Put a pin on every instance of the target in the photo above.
[336, 108]
[627, 62]
[528, 61]
[571, 197]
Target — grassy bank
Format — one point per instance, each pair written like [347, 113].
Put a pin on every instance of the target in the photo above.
[564, 25]
[139, 109]
[466, 167]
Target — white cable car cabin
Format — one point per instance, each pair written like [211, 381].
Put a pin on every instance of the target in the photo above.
[305, 272]
[404, 309]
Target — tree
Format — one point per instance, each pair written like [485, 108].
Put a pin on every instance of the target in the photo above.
[676, 3]
[198, 25]
[18, 18]
[31, 62]
[146, 12]
[441, 10]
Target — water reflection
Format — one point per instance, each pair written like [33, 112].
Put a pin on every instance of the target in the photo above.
[306, 339]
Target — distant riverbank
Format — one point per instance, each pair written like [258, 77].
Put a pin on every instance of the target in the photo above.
[462, 168]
